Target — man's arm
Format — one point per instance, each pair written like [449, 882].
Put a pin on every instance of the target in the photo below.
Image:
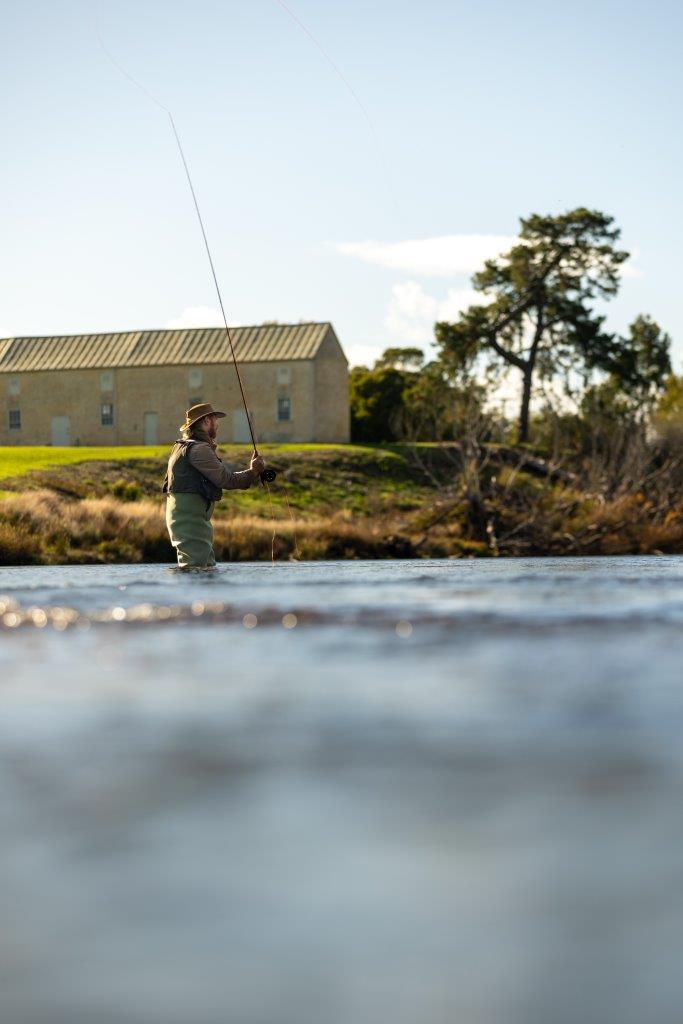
[203, 457]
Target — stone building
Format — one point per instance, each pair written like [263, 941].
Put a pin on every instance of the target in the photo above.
[133, 388]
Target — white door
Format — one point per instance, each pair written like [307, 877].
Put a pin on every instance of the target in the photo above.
[150, 428]
[240, 427]
[61, 431]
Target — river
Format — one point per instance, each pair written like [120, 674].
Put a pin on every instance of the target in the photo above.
[342, 793]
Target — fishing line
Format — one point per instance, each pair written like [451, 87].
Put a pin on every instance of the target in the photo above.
[388, 178]
[297, 553]
[272, 521]
[335, 67]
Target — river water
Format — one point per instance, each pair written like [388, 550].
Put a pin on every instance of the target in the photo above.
[342, 793]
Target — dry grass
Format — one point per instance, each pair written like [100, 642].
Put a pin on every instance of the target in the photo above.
[58, 529]
[45, 527]
[628, 525]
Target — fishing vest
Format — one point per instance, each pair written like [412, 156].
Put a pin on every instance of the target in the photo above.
[183, 478]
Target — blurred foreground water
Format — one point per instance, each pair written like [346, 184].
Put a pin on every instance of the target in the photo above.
[342, 793]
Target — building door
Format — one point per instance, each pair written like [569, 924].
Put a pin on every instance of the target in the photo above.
[61, 431]
[150, 428]
[240, 427]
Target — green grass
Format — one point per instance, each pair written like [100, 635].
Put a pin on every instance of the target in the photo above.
[17, 461]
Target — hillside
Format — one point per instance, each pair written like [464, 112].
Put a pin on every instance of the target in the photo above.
[352, 501]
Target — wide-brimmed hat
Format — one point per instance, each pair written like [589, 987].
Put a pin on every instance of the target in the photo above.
[198, 412]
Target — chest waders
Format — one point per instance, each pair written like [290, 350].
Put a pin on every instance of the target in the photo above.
[190, 502]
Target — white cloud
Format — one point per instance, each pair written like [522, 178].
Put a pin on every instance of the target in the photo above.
[363, 355]
[445, 255]
[412, 311]
[196, 316]
[629, 269]
[206, 316]
[442, 256]
[410, 318]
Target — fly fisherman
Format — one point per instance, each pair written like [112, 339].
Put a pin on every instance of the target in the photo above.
[195, 481]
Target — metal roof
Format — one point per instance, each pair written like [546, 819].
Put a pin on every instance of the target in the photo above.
[193, 346]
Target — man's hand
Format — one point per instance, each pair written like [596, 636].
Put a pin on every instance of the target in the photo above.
[258, 464]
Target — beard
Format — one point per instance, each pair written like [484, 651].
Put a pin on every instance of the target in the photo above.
[211, 428]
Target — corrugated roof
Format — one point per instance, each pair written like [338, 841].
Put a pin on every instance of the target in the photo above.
[195, 346]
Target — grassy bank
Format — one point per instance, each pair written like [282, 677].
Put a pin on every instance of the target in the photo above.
[84, 505]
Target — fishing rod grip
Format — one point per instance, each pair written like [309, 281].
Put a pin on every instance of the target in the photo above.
[268, 475]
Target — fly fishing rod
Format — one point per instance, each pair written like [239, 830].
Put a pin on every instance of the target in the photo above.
[268, 475]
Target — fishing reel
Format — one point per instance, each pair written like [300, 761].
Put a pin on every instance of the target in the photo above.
[267, 476]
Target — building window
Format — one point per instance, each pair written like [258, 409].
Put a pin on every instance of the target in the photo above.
[195, 380]
[107, 414]
[15, 419]
[284, 409]
[284, 375]
[14, 386]
[107, 381]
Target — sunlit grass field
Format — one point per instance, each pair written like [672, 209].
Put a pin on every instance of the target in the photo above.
[17, 461]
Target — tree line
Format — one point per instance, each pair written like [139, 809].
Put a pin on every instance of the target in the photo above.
[539, 323]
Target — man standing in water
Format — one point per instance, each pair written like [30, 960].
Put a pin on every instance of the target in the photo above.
[195, 481]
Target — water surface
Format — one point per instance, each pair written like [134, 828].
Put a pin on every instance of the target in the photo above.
[342, 792]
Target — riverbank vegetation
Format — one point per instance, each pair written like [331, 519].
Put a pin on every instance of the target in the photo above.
[475, 498]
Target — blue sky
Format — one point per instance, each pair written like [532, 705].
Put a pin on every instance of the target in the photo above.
[478, 114]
